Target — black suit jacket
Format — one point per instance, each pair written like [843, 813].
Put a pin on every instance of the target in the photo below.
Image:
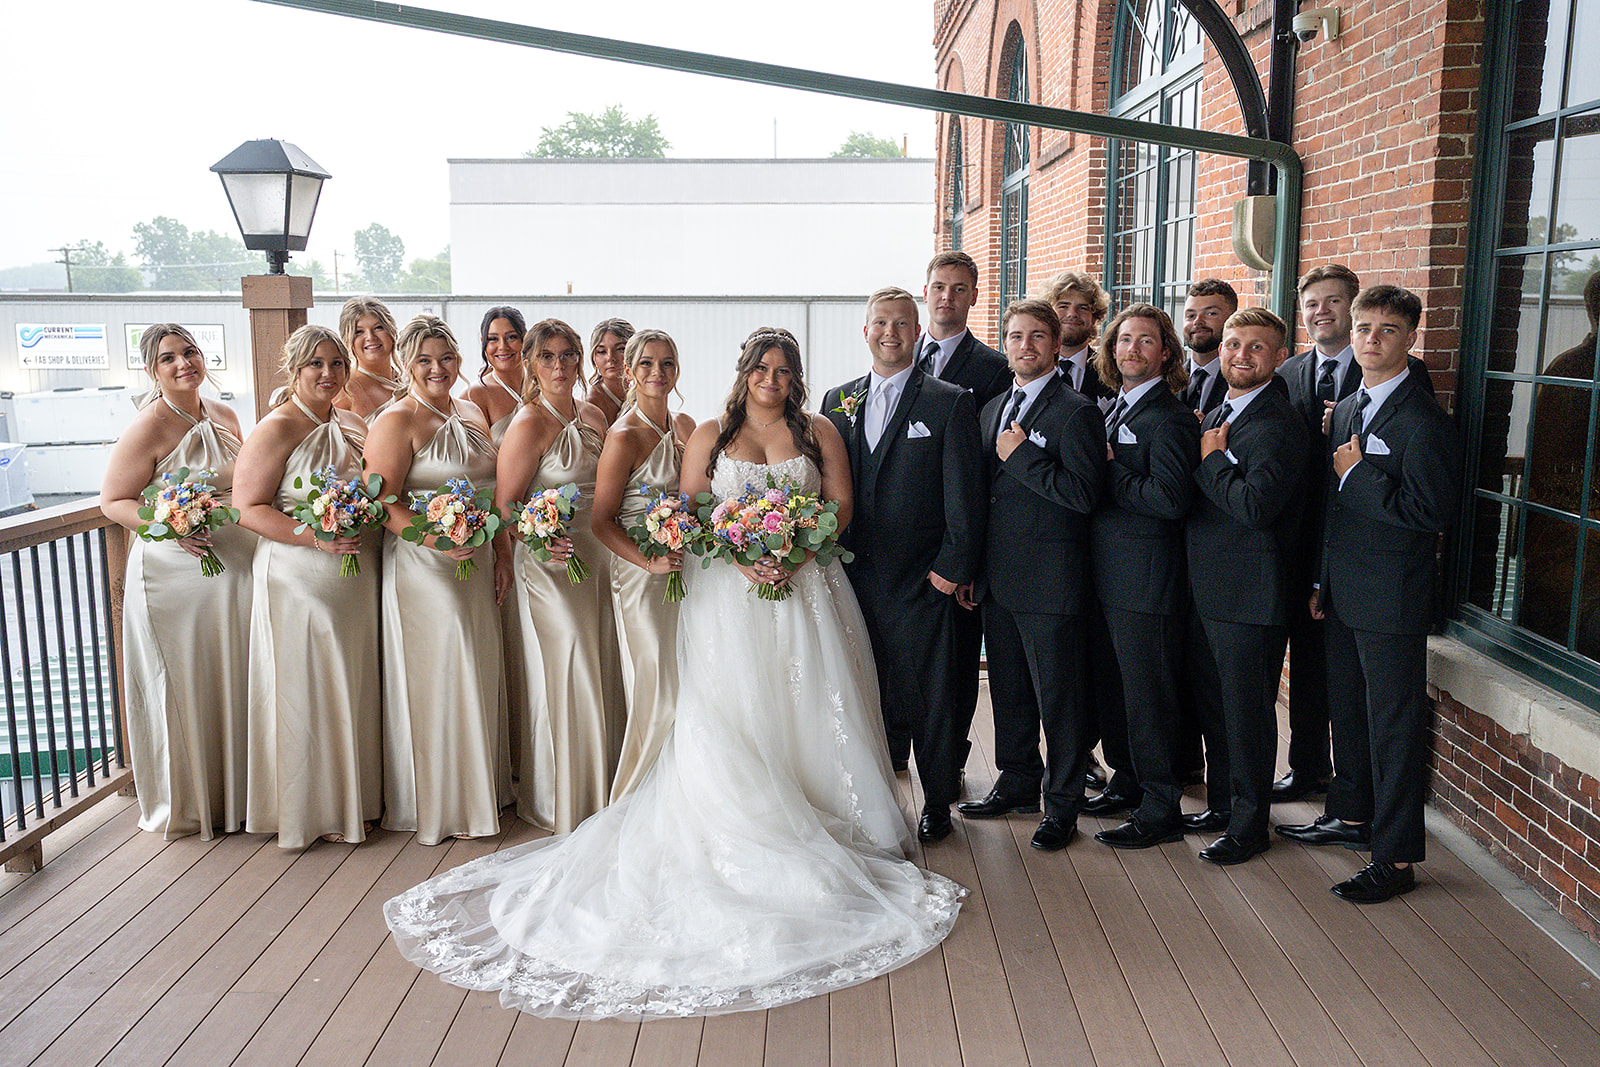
[1382, 525]
[1242, 529]
[1092, 387]
[919, 507]
[976, 366]
[1040, 500]
[1215, 390]
[1138, 529]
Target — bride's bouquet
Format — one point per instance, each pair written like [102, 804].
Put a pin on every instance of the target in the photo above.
[780, 521]
[455, 512]
[182, 505]
[543, 519]
[340, 507]
[667, 525]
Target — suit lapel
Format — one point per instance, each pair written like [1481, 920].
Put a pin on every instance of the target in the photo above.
[958, 358]
[858, 427]
[1385, 412]
[1042, 401]
[1351, 381]
[897, 417]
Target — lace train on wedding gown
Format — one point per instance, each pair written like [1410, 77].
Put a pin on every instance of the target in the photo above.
[758, 863]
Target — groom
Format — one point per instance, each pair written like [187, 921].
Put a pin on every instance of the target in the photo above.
[915, 532]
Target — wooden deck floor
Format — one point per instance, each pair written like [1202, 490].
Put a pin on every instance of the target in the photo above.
[129, 950]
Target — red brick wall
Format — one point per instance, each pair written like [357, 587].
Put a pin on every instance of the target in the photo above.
[1536, 816]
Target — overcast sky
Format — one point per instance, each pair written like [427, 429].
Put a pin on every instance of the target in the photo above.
[115, 110]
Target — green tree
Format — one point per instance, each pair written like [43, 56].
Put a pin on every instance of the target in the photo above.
[608, 135]
[179, 260]
[380, 255]
[96, 270]
[426, 275]
[312, 269]
[867, 146]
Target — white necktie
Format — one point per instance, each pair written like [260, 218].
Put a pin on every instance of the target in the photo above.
[878, 409]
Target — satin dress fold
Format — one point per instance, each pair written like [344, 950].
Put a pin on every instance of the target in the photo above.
[443, 689]
[186, 643]
[316, 694]
[516, 671]
[647, 629]
[576, 713]
[759, 861]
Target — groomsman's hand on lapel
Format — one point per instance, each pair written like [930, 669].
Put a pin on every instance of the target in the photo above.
[1214, 440]
[964, 596]
[1009, 440]
[1347, 455]
[1316, 605]
[1327, 415]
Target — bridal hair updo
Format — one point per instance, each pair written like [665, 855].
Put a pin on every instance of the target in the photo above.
[622, 328]
[409, 344]
[635, 349]
[759, 343]
[538, 335]
[298, 352]
[150, 349]
[518, 323]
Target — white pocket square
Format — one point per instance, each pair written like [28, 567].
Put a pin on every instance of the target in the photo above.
[1376, 447]
[917, 429]
[1037, 438]
[1126, 436]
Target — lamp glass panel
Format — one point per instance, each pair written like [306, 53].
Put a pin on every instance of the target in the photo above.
[303, 191]
[258, 201]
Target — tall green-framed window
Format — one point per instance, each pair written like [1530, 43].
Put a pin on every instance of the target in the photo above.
[1151, 210]
[1530, 565]
[955, 197]
[1015, 160]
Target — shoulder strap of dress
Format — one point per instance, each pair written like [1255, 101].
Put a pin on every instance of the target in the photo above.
[558, 416]
[307, 411]
[190, 419]
[433, 409]
[512, 393]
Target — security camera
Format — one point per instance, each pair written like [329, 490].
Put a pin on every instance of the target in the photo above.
[1307, 23]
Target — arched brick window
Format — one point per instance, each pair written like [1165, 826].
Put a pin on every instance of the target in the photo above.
[955, 193]
[1014, 166]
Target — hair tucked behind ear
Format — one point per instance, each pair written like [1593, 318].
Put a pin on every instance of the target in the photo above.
[150, 348]
[757, 345]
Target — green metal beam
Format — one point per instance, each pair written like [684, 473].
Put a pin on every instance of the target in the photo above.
[1284, 159]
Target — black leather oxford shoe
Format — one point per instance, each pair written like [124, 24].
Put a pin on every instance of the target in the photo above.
[1376, 883]
[997, 804]
[935, 826]
[1227, 850]
[1053, 834]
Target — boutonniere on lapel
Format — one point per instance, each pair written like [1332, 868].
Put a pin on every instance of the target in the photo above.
[849, 405]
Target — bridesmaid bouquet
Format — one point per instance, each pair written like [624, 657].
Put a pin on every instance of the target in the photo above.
[780, 521]
[183, 505]
[543, 519]
[340, 507]
[667, 525]
[457, 513]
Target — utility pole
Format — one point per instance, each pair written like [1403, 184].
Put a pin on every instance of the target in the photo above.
[336, 271]
[66, 261]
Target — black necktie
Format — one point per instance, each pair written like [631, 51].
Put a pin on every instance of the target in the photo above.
[1114, 417]
[1325, 384]
[1226, 413]
[1017, 397]
[1363, 398]
[1197, 387]
[925, 364]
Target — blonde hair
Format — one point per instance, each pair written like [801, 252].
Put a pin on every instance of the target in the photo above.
[150, 350]
[420, 329]
[890, 294]
[537, 335]
[1260, 318]
[1069, 281]
[358, 306]
[635, 349]
[298, 351]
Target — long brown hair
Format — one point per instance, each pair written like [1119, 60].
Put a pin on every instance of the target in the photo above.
[535, 339]
[621, 328]
[1176, 369]
[511, 315]
[758, 344]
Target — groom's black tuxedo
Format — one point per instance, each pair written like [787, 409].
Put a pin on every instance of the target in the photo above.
[1034, 589]
[918, 508]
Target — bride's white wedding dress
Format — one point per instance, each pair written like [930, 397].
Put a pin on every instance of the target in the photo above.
[758, 862]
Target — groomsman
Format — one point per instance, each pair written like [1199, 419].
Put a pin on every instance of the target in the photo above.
[1152, 442]
[1207, 306]
[1393, 488]
[1044, 458]
[1318, 378]
[947, 350]
[916, 532]
[1240, 537]
[1080, 304]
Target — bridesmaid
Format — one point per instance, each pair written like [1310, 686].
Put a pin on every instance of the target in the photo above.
[644, 447]
[608, 354]
[367, 326]
[443, 696]
[498, 390]
[186, 637]
[576, 712]
[316, 755]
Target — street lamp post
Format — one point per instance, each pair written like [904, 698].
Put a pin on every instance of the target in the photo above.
[273, 188]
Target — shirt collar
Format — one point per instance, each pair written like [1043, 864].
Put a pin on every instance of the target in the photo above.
[1344, 357]
[1209, 368]
[1134, 395]
[1242, 402]
[1379, 393]
[947, 349]
[898, 381]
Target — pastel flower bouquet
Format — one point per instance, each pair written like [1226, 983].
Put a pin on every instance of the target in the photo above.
[340, 507]
[457, 515]
[667, 525]
[183, 505]
[780, 521]
[544, 518]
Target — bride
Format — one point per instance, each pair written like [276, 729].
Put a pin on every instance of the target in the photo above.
[760, 861]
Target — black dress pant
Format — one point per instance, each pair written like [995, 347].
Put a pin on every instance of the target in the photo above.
[1149, 648]
[1108, 711]
[1200, 692]
[1036, 682]
[1308, 696]
[1249, 662]
[1377, 696]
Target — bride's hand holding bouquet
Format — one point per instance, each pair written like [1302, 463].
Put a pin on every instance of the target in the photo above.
[769, 534]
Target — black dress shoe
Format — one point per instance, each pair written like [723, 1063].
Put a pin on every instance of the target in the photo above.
[997, 804]
[1209, 821]
[1296, 786]
[1109, 803]
[1054, 833]
[1376, 883]
[1227, 850]
[1135, 834]
[1095, 777]
[935, 826]
[1328, 831]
